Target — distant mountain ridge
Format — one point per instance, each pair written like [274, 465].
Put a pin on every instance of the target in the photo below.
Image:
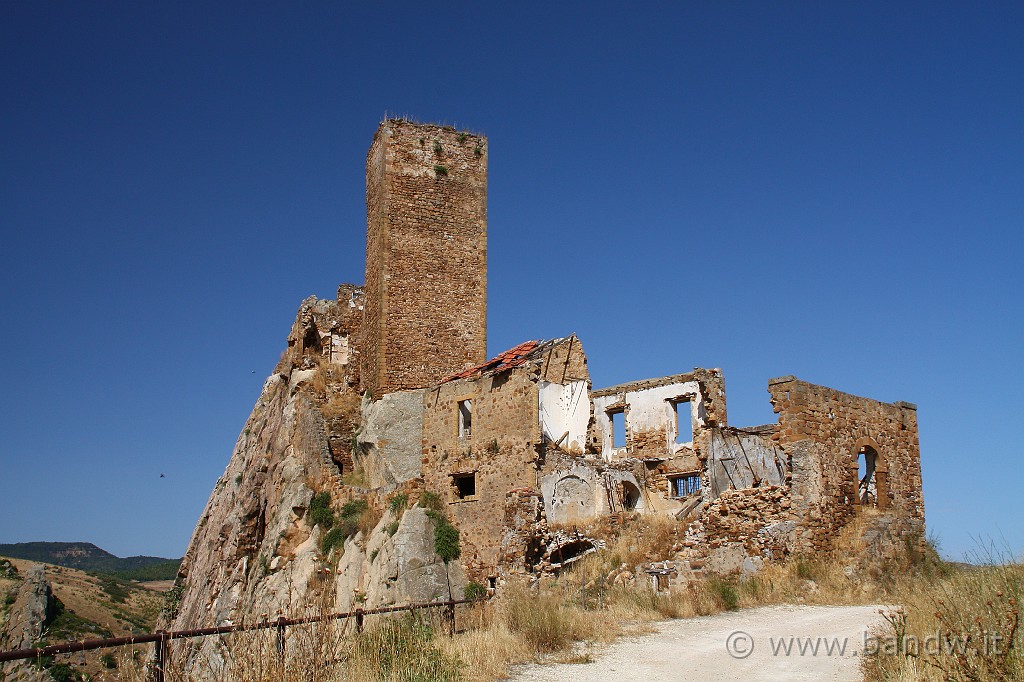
[86, 556]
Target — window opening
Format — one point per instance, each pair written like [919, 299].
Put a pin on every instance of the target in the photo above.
[618, 422]
[867, 492]
[684, 486]
[684, 421]
[465, 485]
[465, 418]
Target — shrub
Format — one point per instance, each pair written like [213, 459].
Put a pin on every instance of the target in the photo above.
[108, 661]
[172, 602]
[446, 537]
[320, 511]
[402, 649]
[431, 500]
[442, 171]
[437, 147]
[474, 590]
[392, 528]
[724, 593]
[398, 502]
[332, 539]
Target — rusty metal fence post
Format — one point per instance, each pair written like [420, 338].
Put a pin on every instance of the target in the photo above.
[451, 618]
[281, 627]
[359, 620]
[160, 656]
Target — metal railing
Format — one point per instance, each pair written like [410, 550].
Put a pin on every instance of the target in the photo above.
[161, 638]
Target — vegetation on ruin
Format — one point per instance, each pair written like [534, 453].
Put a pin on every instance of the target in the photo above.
[398, 503]
[561, 618]
[320, 511]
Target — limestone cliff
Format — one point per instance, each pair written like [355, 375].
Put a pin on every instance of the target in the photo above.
[258, 551]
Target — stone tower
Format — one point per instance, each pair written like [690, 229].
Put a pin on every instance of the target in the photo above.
[426, 256]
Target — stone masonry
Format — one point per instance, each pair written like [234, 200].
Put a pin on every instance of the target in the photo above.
[426, 255]
[384, 398]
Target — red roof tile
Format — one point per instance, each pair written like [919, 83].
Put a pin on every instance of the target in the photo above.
[513, 357]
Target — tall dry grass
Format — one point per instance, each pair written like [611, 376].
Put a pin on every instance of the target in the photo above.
[597, 599]
[960, 623]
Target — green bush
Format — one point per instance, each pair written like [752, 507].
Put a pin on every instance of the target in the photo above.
[474, 590]
[392, 528]
[332, 539]
[430, 500]
[108, 661]
[446, 537]
[172, 602]
[398, 503]
[320, 511]
[442, 171]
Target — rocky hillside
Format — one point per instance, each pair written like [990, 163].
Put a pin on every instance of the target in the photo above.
[47, 604]
[295, 525]
[88, 557]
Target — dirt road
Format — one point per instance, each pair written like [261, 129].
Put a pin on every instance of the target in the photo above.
[824, 643]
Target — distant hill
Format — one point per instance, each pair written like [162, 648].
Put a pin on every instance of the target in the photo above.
[86, 556]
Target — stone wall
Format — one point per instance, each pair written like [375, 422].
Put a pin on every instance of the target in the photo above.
[502, 451]
[830, 428]
[426, 255]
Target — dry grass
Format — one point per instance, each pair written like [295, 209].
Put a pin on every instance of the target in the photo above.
[559, 619]
[959, 623]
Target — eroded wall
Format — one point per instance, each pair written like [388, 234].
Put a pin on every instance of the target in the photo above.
[829, 428]
[650, 409]
[503, 448]
[426, 255]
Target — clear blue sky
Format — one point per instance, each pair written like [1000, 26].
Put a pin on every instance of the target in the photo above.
[831, 190]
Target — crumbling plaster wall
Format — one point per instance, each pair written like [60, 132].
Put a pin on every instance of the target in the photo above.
[829, 427]
[649, 409]
[580, 491]
[565, 414]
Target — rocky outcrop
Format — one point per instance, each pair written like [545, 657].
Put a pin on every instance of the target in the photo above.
[33, 609]
[259, 550]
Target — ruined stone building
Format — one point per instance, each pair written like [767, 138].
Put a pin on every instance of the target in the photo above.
[387, 390]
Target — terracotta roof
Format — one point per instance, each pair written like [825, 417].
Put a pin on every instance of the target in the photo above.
[513, 357]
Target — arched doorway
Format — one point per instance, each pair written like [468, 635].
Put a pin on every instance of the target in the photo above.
[867, 486]
[631, 497]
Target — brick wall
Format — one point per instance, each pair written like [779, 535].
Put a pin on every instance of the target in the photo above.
[426, 255]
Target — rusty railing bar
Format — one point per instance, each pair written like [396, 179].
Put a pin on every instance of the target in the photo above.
[111, 642]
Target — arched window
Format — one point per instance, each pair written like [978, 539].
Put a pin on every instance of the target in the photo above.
[867, 491]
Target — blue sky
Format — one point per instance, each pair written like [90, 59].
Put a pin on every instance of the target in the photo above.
[831, 190]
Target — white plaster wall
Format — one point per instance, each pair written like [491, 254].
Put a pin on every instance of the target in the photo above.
[649, 409]
[564, 407]
[339, 349]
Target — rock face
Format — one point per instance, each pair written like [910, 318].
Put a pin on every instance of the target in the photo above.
[256, 552]
[33, 609]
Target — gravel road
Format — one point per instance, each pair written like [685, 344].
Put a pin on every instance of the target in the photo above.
[697, 649]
